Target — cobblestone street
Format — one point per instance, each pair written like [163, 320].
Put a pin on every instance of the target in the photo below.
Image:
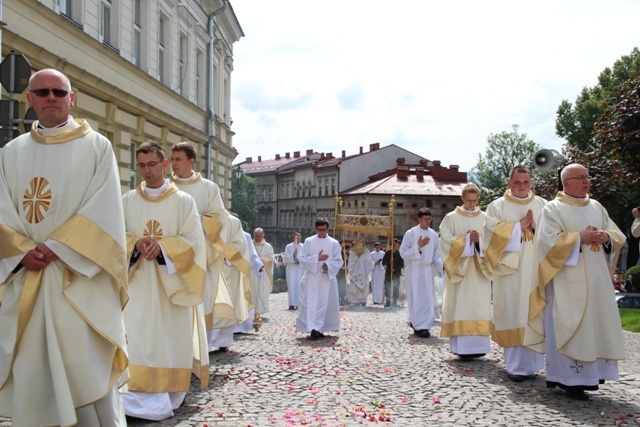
[375, 371]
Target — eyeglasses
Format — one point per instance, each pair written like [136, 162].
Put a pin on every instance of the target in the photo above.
[58, 93]
[582, 178]
[147, 165]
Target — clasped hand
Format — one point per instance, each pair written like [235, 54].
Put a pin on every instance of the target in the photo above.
[148, 248]
[38, 258]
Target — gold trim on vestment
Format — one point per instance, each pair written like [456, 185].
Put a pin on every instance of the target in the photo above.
[13, 243]
[508, 337]
[168, 192]
[550, 266]
[455, 252]
[83, 129]
[183, 257]
[198, 178]
[499, 240]
[158, 380]
[465, 327]
[201, 371]
[461, 211]
[81, 234]
[562, 196]
[512, 199]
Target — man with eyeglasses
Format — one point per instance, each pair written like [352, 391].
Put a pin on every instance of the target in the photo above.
[63, 268]
[321, 259]
[165, 330]
[573, 314]
[466, 301]
[227, 253]
[509, 231]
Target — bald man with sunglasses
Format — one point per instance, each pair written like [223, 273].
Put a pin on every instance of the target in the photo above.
[63, 267]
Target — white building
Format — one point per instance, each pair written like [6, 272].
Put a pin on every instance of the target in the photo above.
[141, 69]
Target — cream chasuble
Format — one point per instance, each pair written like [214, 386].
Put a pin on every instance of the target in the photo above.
[62, 338]
[262, 285]
[586, 318]
[515, 272]
[165, 342]
[218, 302]
[466, 304]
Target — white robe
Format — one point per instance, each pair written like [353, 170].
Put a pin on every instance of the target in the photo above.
[377, 277]
[166, 340]
[360, 266]
[510, 254]
[262, 285]
[419, 267]
[573, 312]
[319, 307]
[466, 303]
[255, 265]
[294, 273]
[61, 187]
[221, 315]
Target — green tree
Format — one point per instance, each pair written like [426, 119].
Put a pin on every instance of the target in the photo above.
[505, 150]
[576, 122]
[243, 194]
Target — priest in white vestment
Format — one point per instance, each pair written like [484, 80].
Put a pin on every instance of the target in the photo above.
[256, 268]
[420, 250]
[262, 285]
[63, 269]
[293, 270]
[377, 274]
[360, 266]
[223, 310]
[466, 301]
[321, 258]
[509, 231]
[166, 337]
[573, 316]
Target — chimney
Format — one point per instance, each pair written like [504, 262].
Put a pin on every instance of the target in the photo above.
[296, 154]
[321, 156]
[309, 151]
[329, 155]
[277, 156]
[287, 156]
[454, 167]
[259, 159]
[248, 160]
[361, 150]
[377, 145]
[423, 163]
[374, 147]
[403, 173]
[344, 153]
[420, 173]
[400, 161]
[437, 162]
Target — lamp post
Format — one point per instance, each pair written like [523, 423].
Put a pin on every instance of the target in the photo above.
[238, 174]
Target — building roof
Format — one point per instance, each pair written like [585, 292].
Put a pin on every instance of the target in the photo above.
[411, 186]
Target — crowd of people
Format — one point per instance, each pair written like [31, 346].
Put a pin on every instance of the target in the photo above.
[102, 290]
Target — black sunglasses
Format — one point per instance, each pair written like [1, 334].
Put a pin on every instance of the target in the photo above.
[58, 93]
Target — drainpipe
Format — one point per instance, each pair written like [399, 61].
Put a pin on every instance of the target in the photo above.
[212, 112]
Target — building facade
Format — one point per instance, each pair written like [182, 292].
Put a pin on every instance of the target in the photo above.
[295, 190]
[141, 69]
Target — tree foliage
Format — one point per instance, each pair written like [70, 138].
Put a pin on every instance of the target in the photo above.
[576, 122]
[243, 194]
[505, 150]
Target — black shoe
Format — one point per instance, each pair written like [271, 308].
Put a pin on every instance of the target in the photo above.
[577, 395]
[470, 356]
[516, 378]
[422, 333]
[295, 307]
[387, 305]
[291, 307]
[223, 349]
[315, 334]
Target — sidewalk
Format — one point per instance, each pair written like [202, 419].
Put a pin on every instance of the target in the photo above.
[374, 371]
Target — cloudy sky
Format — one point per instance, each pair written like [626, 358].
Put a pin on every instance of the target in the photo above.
[434, 77]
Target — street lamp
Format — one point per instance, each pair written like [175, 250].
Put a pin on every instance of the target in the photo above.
[238, 174]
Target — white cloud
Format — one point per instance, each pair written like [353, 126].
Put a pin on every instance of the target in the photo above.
[436, 78]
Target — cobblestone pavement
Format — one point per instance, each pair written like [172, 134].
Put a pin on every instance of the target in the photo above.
[374, 371]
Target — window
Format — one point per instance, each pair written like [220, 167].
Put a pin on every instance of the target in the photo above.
[105, 21]
[137, 33]
[326, 187]
[399, 205]
[270, 193]
[163, 49]
[183, 65]
[384, 205]
[414, 205]
[200, 79]
[319, 187]
[70, 9]
[333, 186]
[429, 203]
